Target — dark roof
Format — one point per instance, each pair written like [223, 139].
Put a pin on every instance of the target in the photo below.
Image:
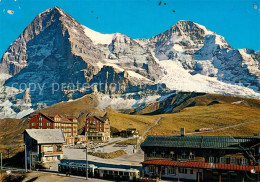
[103, 118]
[202, 165]
[51, 118]
[213, 142]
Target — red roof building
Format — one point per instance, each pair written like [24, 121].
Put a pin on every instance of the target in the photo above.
[69, 126]
[97, 128]
[203, 165]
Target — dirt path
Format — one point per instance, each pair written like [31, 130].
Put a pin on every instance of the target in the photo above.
[150, 127]
[226, 127]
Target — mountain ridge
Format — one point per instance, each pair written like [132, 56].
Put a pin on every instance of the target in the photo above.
[57, 49]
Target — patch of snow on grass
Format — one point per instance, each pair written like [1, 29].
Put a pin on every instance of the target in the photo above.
[237, 102]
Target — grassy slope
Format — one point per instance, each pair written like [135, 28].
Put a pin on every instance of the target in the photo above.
[214, 116]
[124, 121]
[242, 130]
[11, 135]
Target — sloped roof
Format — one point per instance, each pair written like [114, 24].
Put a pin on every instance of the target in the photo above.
[51, 117]
[43, 136]
[102, 119]
[63, 119]
[214, 142]
[202, 165]
[43, 115]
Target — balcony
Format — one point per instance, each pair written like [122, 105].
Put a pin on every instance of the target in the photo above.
[53, 153]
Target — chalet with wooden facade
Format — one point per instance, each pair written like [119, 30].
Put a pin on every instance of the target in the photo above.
[129, 132]
[204, 158]
[97, 128]
[44, 145]
[69, 126]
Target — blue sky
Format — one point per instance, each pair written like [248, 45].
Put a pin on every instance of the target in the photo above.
[237, 20]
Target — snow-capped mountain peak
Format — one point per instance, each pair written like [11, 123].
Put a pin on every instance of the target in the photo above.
[56, 49]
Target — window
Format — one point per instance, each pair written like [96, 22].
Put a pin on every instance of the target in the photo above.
[48, 124]
[191, 171]
[211, 160]
[163, 154]
[154, 154]
[33, 124]
[172, 154]
[40, 118]
[152, 169]
[48, 149]
[59, 148]
[171, 170]
[184, 155]
[244, 161]
[183, 170]
[233, 160]
[191, 156]
[222, 160]
[40, 124]
[227, 160]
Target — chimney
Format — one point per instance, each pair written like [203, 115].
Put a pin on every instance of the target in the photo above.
[182, 132]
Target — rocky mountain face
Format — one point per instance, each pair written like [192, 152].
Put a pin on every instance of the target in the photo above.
[204, 52]
[57, 59]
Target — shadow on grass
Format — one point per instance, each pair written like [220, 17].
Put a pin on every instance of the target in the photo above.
[17, 161]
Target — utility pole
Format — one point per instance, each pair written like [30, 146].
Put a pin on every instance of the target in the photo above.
[87, 162]
[30, 157]
[8, 152]
[137, 137]
[1, 161]
[178, 174]
[25, 159]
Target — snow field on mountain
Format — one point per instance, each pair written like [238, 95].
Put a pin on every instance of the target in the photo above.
[177, 77]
